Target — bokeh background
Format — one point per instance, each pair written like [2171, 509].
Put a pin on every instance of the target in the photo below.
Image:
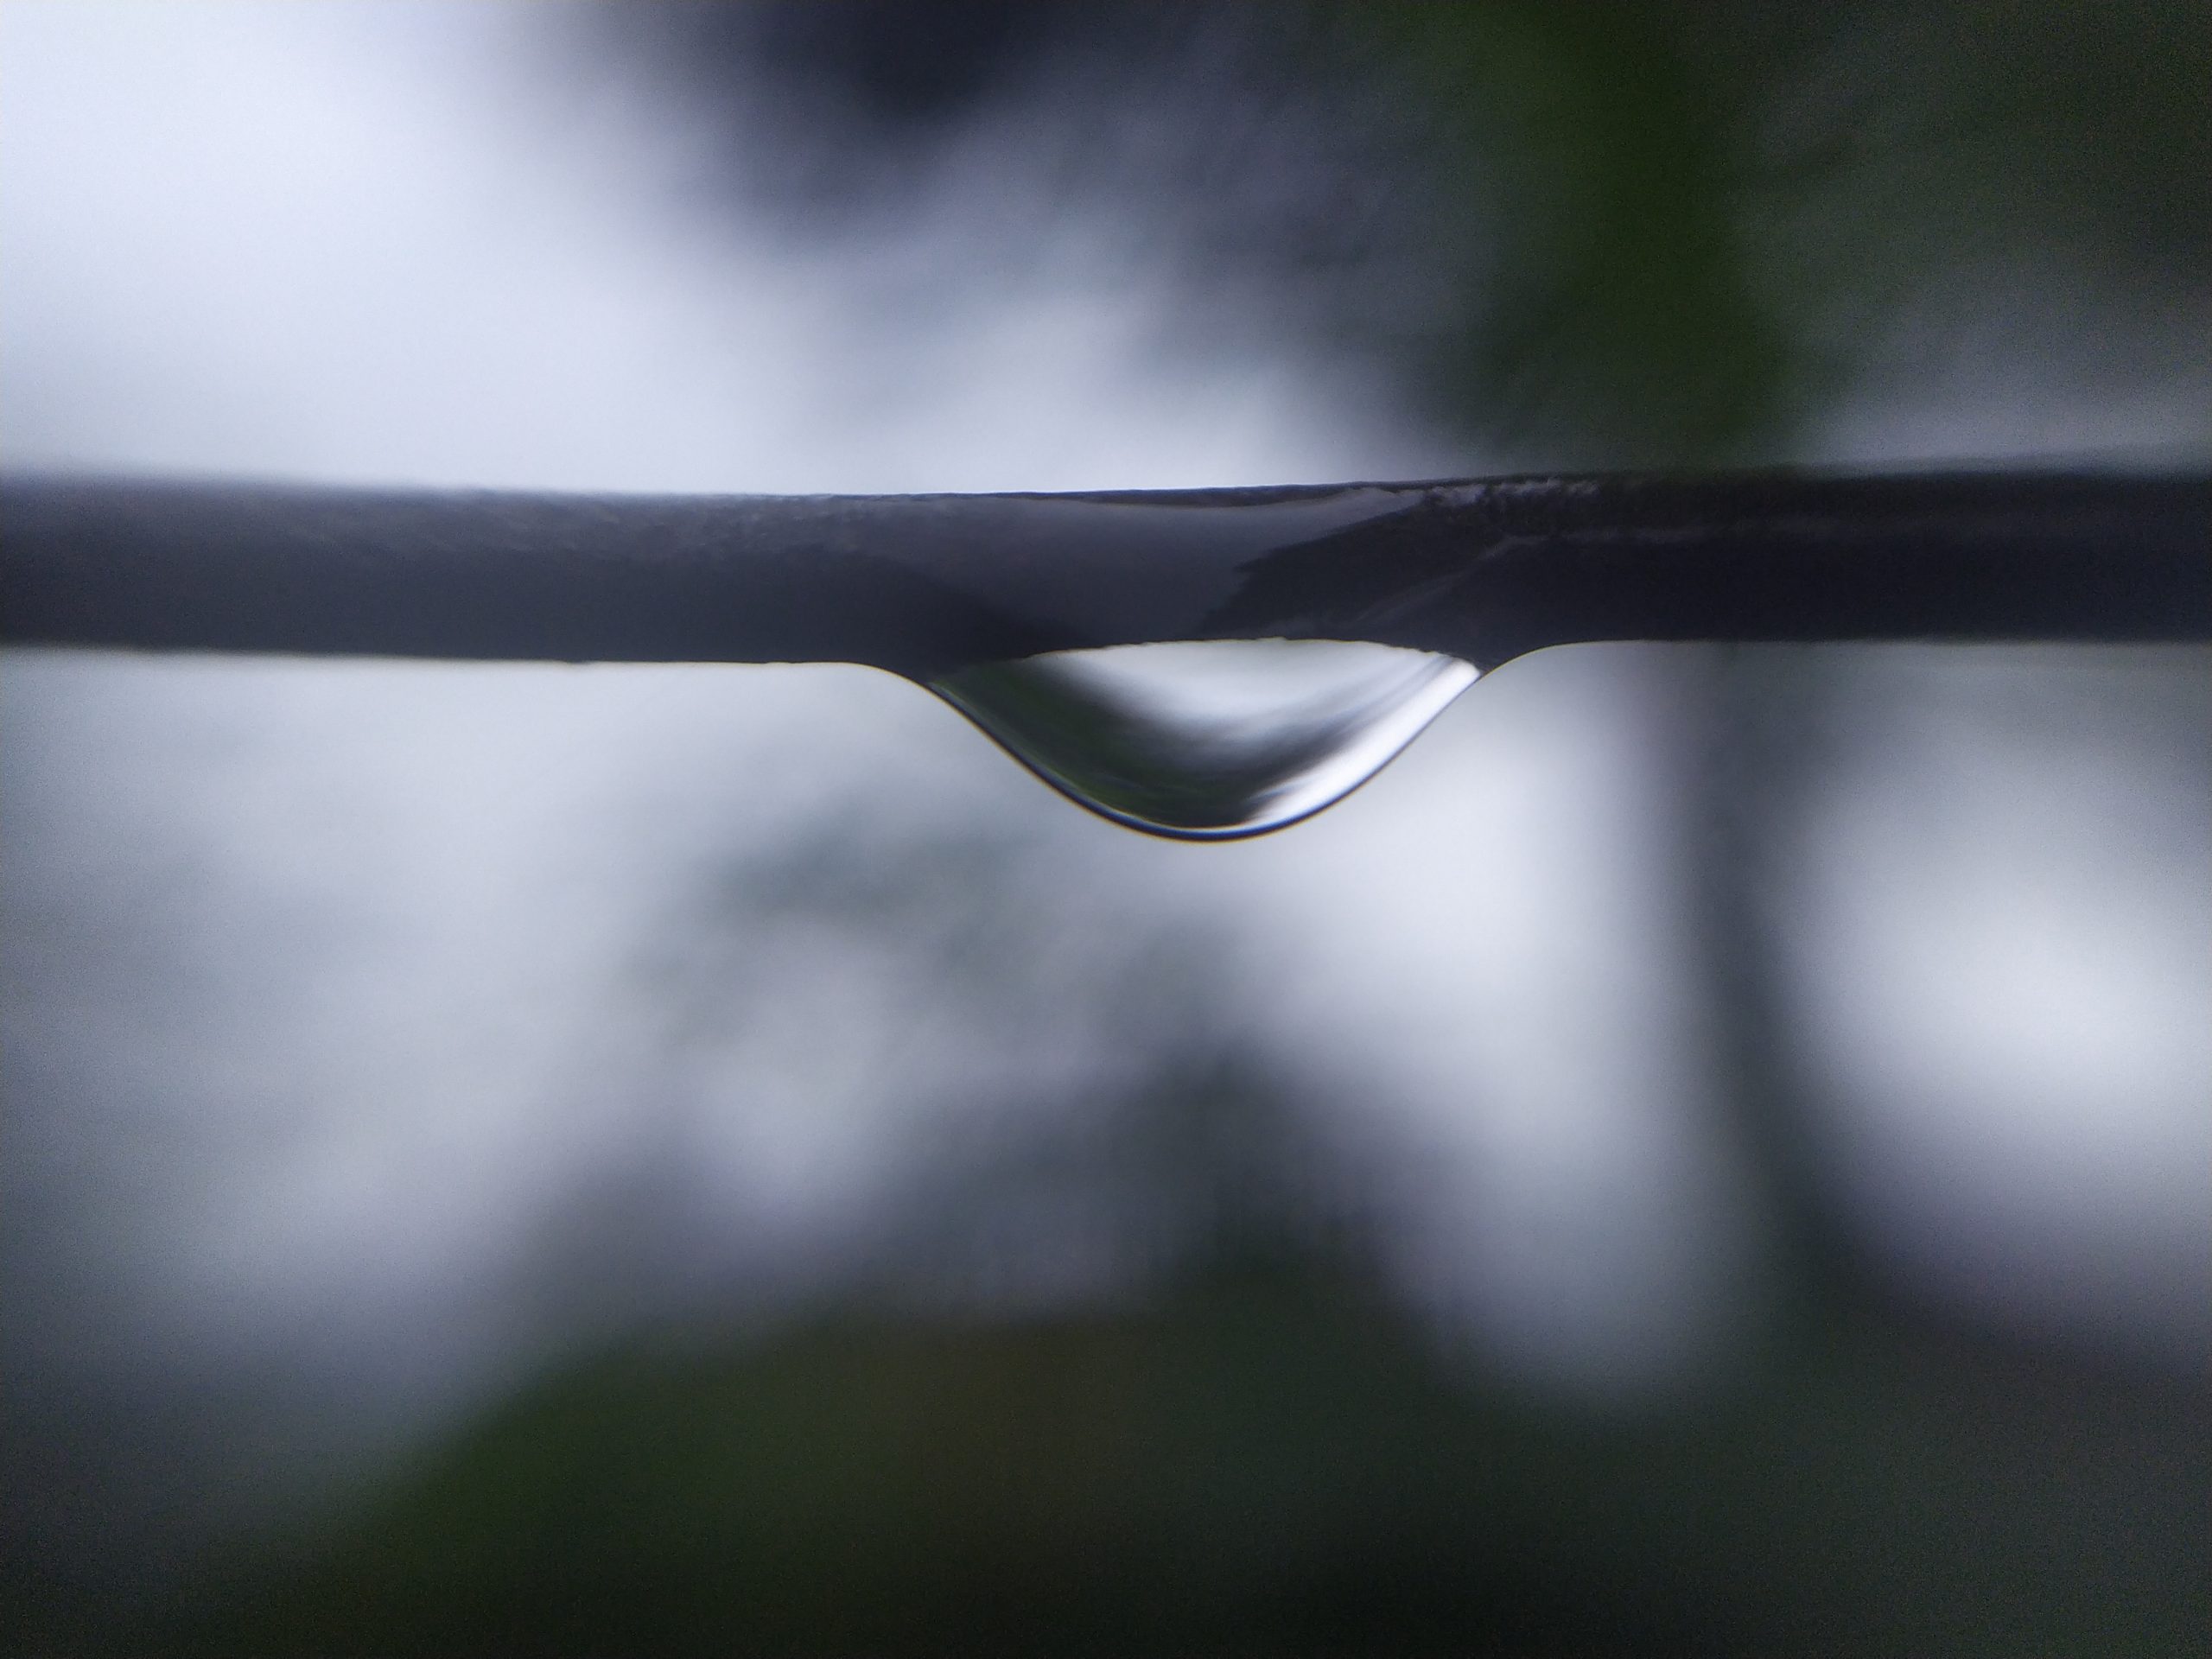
[1712, 1150]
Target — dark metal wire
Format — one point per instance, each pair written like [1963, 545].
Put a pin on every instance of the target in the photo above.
[924, 585]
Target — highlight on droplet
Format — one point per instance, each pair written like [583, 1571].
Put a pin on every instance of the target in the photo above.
[1209, 740]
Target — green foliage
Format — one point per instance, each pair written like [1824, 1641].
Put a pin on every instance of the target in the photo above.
[1674, 229]
[1614, 318]
[1262, 1461]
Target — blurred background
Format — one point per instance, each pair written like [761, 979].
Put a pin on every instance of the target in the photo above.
[1712, 1151]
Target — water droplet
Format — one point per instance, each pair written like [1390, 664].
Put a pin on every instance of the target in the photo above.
[1213, 740]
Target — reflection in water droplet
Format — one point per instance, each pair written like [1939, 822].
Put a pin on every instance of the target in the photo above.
[1209, 740]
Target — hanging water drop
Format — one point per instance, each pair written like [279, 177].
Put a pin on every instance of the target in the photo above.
[1213, 740]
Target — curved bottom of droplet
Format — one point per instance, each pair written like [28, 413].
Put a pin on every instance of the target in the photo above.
[1209, 740]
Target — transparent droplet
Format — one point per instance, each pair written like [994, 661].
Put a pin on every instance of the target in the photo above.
[1210, 740]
